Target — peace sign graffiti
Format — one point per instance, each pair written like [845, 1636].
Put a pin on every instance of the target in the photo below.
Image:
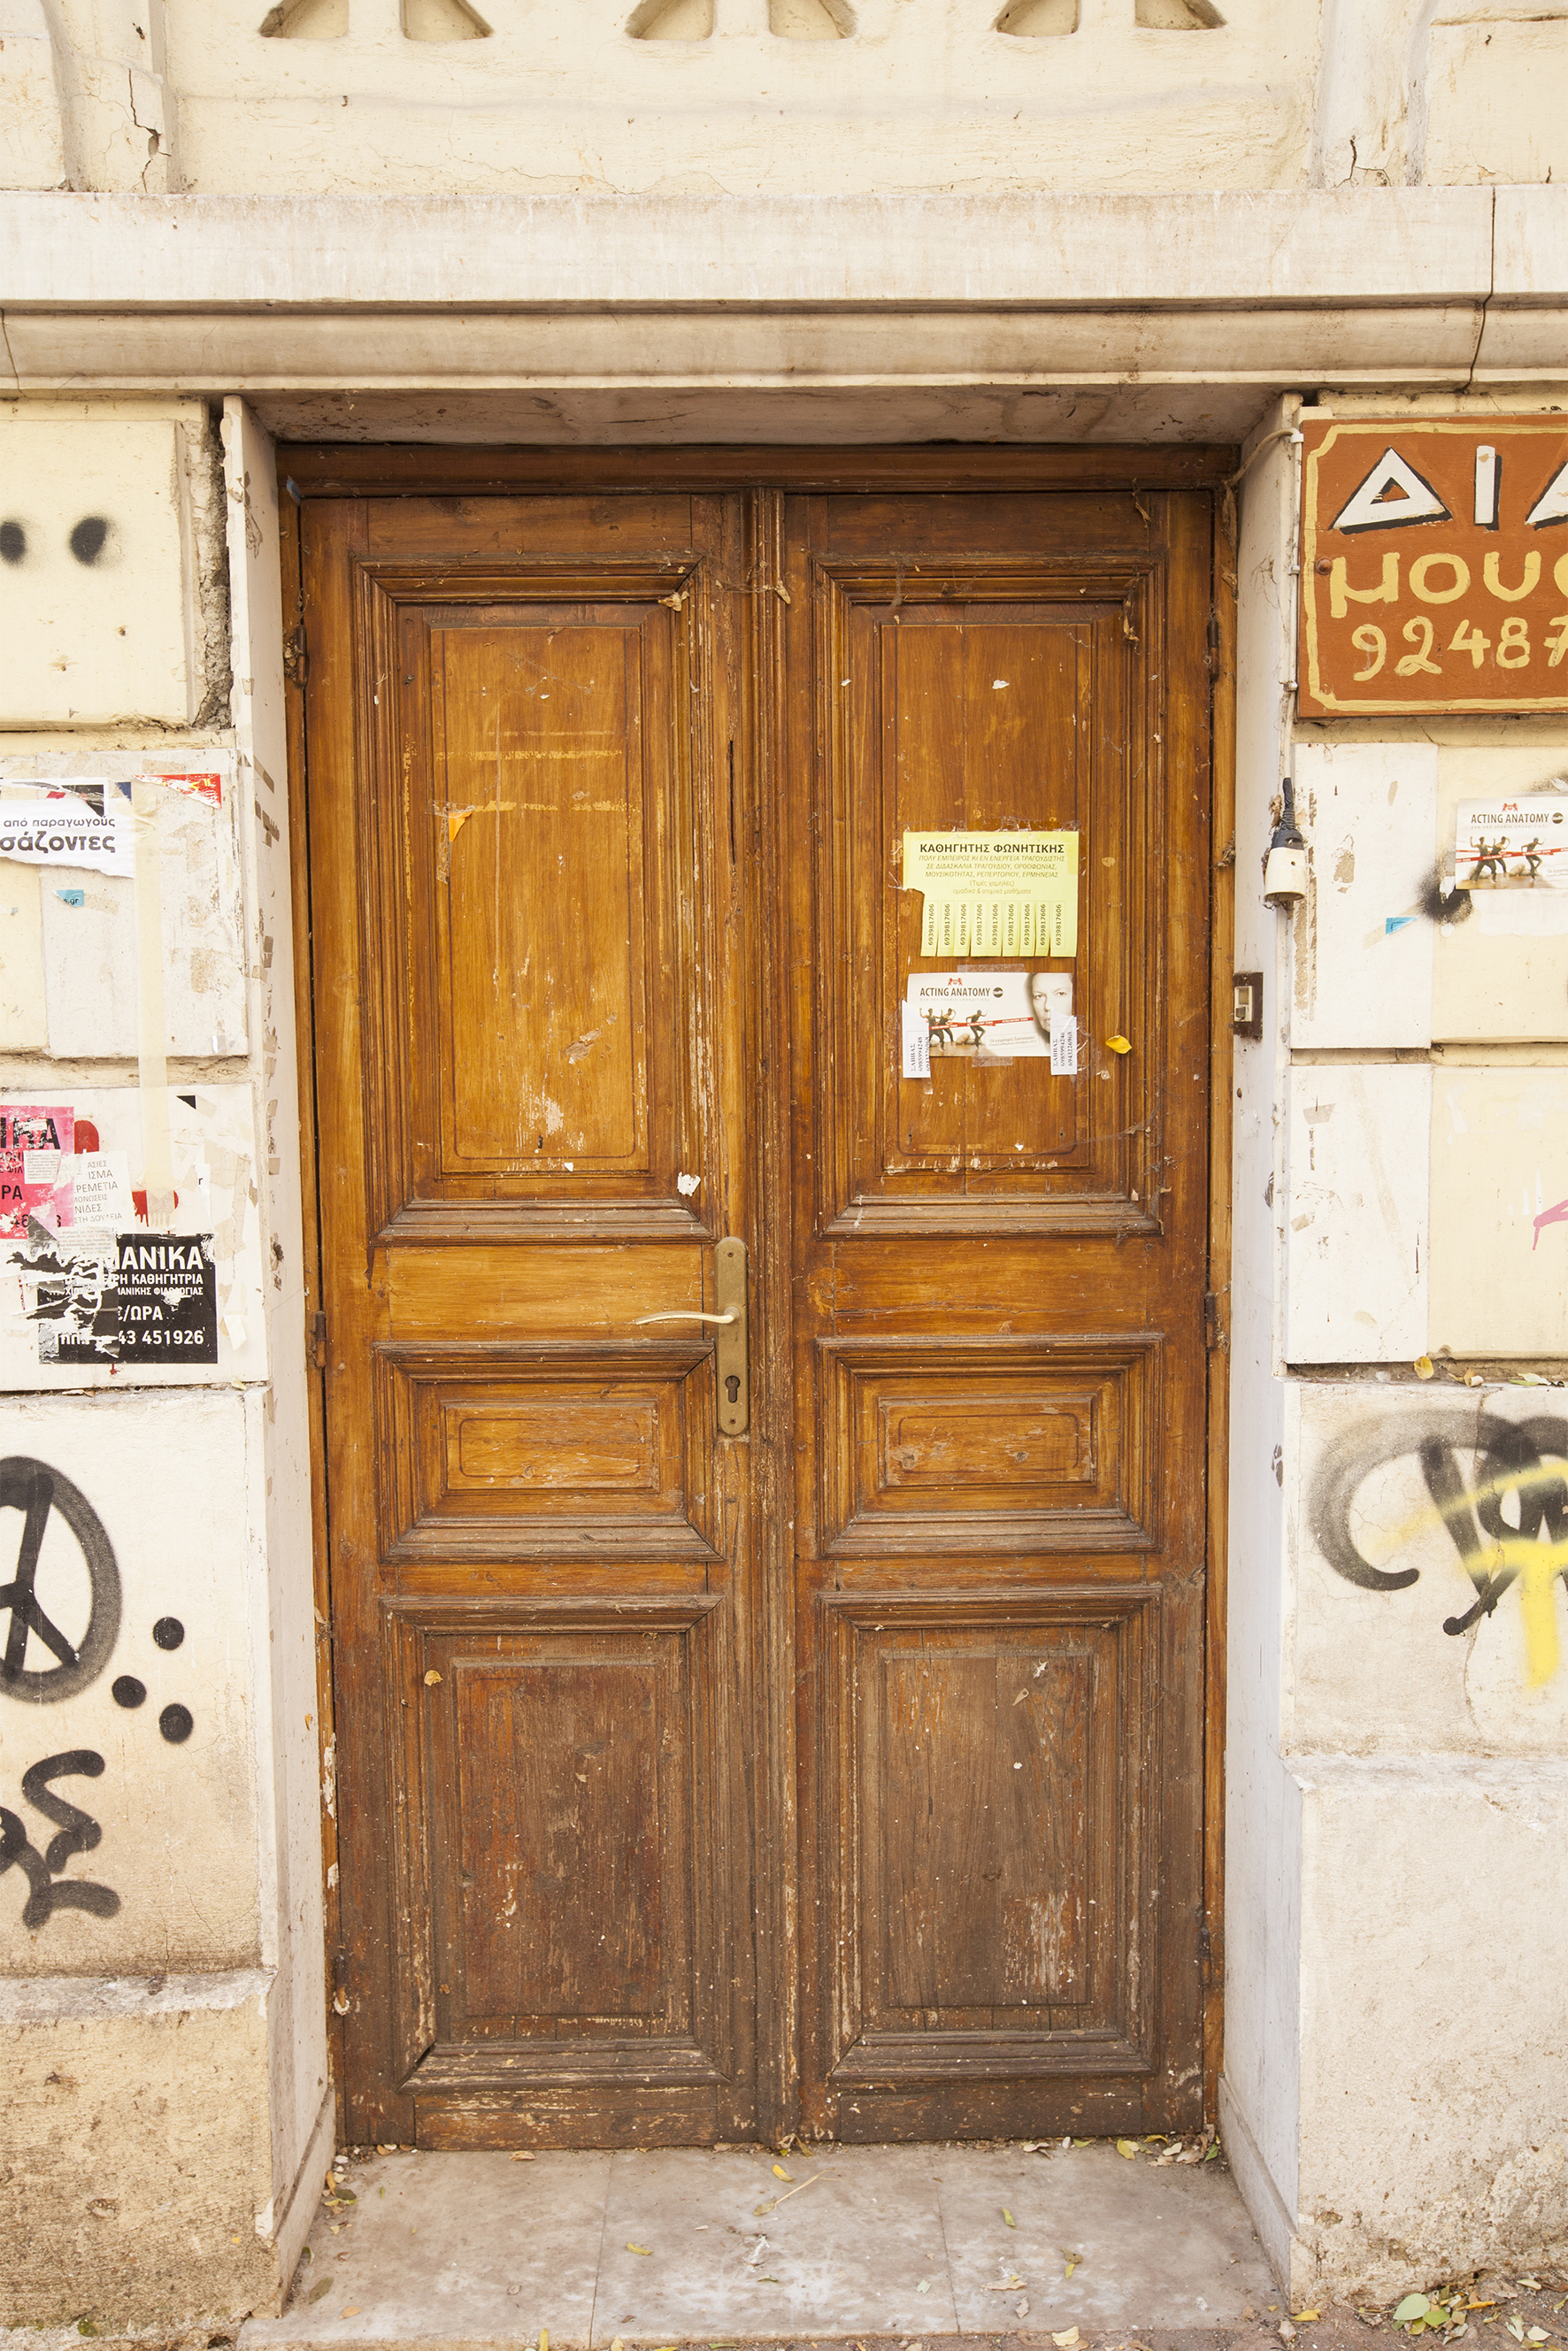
[36, 1489]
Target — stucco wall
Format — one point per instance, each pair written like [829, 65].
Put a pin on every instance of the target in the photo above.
[161, 1941]
[747, 96]
[1397, 1761]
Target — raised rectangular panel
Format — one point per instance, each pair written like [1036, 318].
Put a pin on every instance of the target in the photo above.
[93, 605]
[1362, 955]
[991, 1818]
[970, 696]
[528, 1736]
[995, 1445]
[1501, 971]
[1356, 1212]
[497, 1453]
[551, 1443]
[538, 1041]
[1499, 1214]
[92, 973]
[1494, 102]
[24, 1021]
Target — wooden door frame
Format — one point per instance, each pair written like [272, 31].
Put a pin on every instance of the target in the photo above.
[335, 470]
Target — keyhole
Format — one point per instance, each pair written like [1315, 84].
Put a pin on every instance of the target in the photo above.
[732, 1386]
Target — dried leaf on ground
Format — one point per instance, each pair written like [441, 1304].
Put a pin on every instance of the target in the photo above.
[1009, 2218]
[1127, 2147]
[1065, 2341]
[317, 2291]
[646, 2250]
[780, 2172]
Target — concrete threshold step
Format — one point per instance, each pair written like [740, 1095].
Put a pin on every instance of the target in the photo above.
[706, 2246]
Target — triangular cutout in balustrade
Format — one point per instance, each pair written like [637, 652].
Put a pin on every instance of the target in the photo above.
[1039, 20]
[306, 20]
[1177, 15]
[810, 20]
[442, 20]
[671, 20]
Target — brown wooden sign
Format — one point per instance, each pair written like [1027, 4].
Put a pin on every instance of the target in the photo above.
[1434, 564]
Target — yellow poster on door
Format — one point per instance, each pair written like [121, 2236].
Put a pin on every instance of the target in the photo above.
[994, 893]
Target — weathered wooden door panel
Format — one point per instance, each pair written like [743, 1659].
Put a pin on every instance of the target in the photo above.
[847, 1772]
[529, 942]
[1000, 1348]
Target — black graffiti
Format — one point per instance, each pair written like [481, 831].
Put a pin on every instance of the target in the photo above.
[75, 1832]
[88, 538]
[1523, 1464]
[37, 1489]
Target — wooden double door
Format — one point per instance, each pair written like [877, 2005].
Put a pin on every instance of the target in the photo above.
[796, 1721]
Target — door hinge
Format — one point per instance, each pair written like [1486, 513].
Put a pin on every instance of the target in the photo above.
[1214, 1331]
[295, 658]
[318, 1342]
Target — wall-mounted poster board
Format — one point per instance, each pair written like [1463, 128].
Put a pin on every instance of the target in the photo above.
[1434, 564]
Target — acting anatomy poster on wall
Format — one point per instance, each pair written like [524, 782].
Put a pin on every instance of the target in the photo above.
[91, 1288]
[1514, 845]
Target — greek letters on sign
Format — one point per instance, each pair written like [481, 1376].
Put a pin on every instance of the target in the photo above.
[1434, 564]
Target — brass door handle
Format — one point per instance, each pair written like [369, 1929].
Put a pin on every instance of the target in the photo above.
[732, 1355]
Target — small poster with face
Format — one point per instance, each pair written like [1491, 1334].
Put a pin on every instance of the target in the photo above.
[989, 1016]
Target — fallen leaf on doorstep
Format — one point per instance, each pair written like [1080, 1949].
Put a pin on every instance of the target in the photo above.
[1071, 2261]
[617, 2345]
[780, 2172]
[1009, 2218]
[522, 2158]
[1424, 1367]
[1009, 2285]
[1302, 2317]
[1415, 2306]
[1065, 2341]
[1022, 2305]
[1287, 2332]
[923, 2287]
[1117, 1044]
[317, 2291]
[544, 2338]
[1531, 2334]
[1127, 2147]
[648, 2249]
[1212, 2152]
[353, 2311]
[1477, 2302]
[1515, 2326]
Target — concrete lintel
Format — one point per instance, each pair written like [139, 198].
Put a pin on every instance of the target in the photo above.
[1319, 248]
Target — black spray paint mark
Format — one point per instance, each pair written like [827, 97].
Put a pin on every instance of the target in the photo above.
[75, 1832]
[13, 541]
[36, 1490]
[1440, 905]
[89, 537]
[126, 1691]
[168, 1632]
[176, 1723]
[1524, 1462]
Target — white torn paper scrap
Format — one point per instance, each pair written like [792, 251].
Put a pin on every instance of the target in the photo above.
[687, 1184]
[917, 1061]
[102, 1189]
[1064, 1047]
[83, 823]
